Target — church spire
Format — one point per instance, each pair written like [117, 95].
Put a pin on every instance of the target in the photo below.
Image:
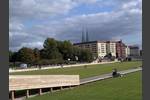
[83, 38]
[87, 36]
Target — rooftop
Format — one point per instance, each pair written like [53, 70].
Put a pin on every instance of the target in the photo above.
[98, 41]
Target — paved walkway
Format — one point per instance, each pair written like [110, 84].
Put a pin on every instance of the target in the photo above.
[106, 76]
[54, 67]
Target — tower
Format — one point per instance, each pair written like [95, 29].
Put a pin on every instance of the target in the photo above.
[83, 38]
[87, 36]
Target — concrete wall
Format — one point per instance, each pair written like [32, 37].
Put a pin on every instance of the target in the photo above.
[22, 82]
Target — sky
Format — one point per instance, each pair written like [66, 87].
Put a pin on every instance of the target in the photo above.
[32, 21]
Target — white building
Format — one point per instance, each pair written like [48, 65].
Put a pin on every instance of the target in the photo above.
[127, 51]
[102, 50]
[111, 48]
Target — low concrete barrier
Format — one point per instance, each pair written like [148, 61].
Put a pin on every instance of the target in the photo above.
[55, 67]
[23, 82]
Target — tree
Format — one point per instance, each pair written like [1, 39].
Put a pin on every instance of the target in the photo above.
[50, 44]
[36, 55]
[55, 55]
[26, 55]
[108, 55]
[51, 49]
[43, 54]
[117, 55]
[10, 56]
[13, 57]
[77, 53]
[86, 55]
[66, 49]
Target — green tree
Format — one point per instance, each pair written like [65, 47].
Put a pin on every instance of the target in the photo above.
[50, 44]
[13, 57]
[86, 55]
[77, 53]
[26, 55]
[51, 49]
[66, 49]
[43, 54]
[10, 56]
[55, 55]
[109, 55]
[36, 55]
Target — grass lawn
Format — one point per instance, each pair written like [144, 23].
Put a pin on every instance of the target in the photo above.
[91, 70]
[128, 87]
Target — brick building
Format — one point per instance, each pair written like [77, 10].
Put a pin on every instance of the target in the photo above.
[120, 49]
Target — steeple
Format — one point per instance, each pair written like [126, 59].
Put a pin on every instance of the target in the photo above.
[83, 38]
[87, 36]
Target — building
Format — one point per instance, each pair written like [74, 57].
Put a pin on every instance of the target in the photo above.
[120, 49]
[141, 52]
[99, 48]
[93, 46]
[127, 51]
[102, 48]
[111, 47]
[134, 51]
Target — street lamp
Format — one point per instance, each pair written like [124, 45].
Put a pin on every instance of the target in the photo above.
[69, 60]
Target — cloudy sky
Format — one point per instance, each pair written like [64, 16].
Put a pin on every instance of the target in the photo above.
[32, 21]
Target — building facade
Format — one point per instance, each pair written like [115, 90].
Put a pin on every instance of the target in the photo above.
[92, 45]
[127, 51]
[111, 47]
[102, 49]
[117, 48]
[99, 48]
[134, 51]
[120, 49]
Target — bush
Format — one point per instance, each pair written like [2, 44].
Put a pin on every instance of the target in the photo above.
[113, 58]
[50, 62]
[14, 65]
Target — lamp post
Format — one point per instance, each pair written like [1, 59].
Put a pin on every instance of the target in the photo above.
[69, 60]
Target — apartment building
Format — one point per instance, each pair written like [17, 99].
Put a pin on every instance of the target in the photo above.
[99, 48]
[111, 47]
[102, 48]
[134, 51]
[127, 51]
[92, 45]
[120, 49]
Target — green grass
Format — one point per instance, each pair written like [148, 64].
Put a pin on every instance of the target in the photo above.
[128, 87]
[91, 70]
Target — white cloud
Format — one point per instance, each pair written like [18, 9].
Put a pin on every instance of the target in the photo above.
[15, 26]
[125, 19]
[24, 9]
